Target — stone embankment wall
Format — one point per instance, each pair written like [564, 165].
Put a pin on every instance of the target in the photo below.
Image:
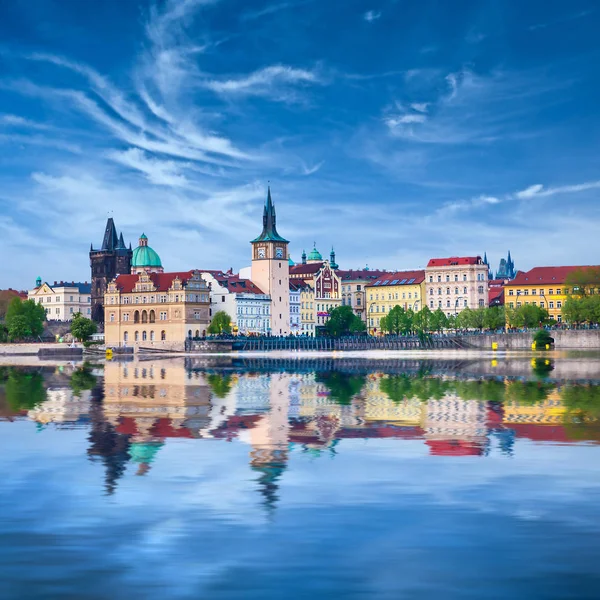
[27, 349]
[563, 340]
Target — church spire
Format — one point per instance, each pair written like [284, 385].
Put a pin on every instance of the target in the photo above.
[269, 232]
[111, 239]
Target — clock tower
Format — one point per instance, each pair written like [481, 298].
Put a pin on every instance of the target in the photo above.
[271, 270]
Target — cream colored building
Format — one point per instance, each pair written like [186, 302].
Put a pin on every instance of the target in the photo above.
[456, 283]
[270, 269]
[156, 310]
[62, 300]
[307, 307]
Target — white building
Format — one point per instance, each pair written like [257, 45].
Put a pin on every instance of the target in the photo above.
[295, 320]
[246, 304]
[455, 283]
[63, 299]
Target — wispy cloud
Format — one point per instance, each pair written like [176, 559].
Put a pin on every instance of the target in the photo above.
[539, 191]
[273, 81]
[372, 15]
[270, 9]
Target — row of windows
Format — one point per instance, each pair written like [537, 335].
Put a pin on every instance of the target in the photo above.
[348, 301]
[534, 303]
[393, 296]
[383, 308]
[162, 299]
[454, 305]
[349, 288]
[480, 290]
[463, 276]
[541, 292]
[253, 310]
[71, 311]
[57, 299]
[144, 336]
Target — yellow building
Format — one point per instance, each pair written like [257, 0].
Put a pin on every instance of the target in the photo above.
[404, 288]
[307, 307]
[542, 286]
[159, 310]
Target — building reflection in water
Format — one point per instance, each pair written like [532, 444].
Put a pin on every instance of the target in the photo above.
[140, 406]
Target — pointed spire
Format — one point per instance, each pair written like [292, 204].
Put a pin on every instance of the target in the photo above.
[121, 244]
[485, 260]
[269, 232]
[111, 239]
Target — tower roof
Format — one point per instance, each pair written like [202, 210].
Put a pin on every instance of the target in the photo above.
[315, 254]
[269, 232]
[111, 240]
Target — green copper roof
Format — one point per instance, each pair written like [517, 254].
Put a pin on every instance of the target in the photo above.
[315, 254]
[143, 237]
[144, 256]
[291, 262]
[269, 232]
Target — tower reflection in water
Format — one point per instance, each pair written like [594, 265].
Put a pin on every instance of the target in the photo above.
[137, 407]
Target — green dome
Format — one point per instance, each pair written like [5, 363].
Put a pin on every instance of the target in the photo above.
[291, 262]
[315, 254]
[144, 256]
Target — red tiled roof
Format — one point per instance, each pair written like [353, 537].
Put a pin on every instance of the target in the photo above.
[162, 281]
[495, 295]
[307, 269]
[454, 260]
[546, 275]
[398, 276]
[235, 284]
[299, 284]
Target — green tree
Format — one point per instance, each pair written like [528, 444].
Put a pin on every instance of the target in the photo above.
[542, 338]
[24, 319]
[397, 321]
[421, 321]
[528, 316]
[438, 321]
[343, 321]
[221, 323]
[582, 281]
[82, 328]
[19, 328]
[494, 318]
[3, 333]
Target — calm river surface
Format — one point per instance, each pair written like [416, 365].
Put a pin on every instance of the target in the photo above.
[298, 478]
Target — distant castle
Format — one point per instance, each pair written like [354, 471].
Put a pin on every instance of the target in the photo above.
[506, 269]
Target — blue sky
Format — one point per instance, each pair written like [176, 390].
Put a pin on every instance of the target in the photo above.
[394, 130]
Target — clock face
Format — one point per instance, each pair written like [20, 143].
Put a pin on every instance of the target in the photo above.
[278, 252]
[262, 253]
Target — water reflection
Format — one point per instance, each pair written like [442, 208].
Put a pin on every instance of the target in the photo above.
[133, 409]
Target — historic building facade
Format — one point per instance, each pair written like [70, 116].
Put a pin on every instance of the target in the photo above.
[270, 269]
[158, 310]
[295, 303]
[456, 283]
[403, 288]
[246, 304]
[546, 287]
[62, 300]
[354, 284]
[307, 307]
[112, 259]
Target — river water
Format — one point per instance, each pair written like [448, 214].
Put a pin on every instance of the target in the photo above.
[301, 478]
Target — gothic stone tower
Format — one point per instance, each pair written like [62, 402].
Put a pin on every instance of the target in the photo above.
[111, 260]
[271, 269]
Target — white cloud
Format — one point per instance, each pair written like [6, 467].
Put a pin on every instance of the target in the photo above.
[393, 122]
[420, 106]
[539, 191]
[308, 170]
[372, 15]
[157, 171]
[270, 81]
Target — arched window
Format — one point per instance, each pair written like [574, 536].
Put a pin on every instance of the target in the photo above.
[137, 336]
[126, 337]
[204, 333]
[136, 316]
[144, 336]
[190, 334]
[197, 333]
[163, 335]
[144, 316]
[152, 336]
[152, 316]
